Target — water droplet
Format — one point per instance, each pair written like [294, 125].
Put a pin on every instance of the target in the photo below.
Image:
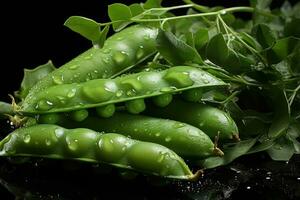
[135, 130]
[157, 134]
[72, 144]
[58, 79]
[268, 178]
[124, 52]
[71, 93]
[106, 60]
[147, 37]
[96, 71]
[167, 89]
[119, 93]
[201, 124]
[298, 178]
[119, 38]
[44, 105]
[73, 66]
[141, 46]
[88, 57]
[48, 142]
[27, 139]
[161, 158]
[168, 139]
[248, 187]
[106, 51]
[205, 81]
[178, 125]
[119, 57]
[59, 132]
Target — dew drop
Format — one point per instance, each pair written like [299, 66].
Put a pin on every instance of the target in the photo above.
[168, 139]
[71, 93]
[119, 57]
[167, 89]
[106, 51]
[72, 144]
[223, 12]
[147, 37]
[59, 132]
[73, 67]
[178, 125]
[48, 142]
[201, 124]
[248, 187]
[119, 93]
[106, 60]
[139, 54]
[157, 134]
[160, 158]
[135, 130]
[58, 79]
[27, 139]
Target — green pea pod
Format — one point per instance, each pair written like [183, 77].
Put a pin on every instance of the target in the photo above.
[51, 141]
[213, 121]
[120, 52]
[101, 92]
[186, 140]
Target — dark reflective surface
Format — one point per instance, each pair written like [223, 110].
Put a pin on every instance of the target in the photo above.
[253, 176]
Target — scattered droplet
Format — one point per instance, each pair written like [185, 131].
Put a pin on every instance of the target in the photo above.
[27, 139]
[48, 142]
[248, 187]
[201, 124]
[167, 89]
[168, 139]
[157, 134]
[71, 93]
[223, 12]
[106, 60]
[106, 51]
[139, 54]
[59, 132]
[58, 79]
[119, 93]
[73, 66]
[268, 178]
[178, 125]
[119, 57]
[72, 144]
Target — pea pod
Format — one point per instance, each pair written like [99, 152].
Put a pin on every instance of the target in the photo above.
[101, 92]
[120, 52]
[51, 141]
[211, 120]
[186, 140]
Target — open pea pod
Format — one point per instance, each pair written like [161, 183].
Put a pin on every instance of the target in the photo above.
[55, 142]
[126, 88]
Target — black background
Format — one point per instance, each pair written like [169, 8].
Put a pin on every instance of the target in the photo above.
[32, 32]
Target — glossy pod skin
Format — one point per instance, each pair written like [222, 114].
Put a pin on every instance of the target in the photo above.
[52, 141]
[120, 52]
[186, 140]
[213, 121]
[101, 92]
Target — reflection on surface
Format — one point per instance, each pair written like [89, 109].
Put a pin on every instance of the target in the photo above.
[254, 176]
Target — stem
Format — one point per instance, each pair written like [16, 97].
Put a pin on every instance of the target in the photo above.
[291, 99]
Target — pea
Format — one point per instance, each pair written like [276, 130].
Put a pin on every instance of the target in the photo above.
[55, 142]
[79, 115]
[159, 85]
[213, 121]
[186, 140]
[51, 118]
[106, 111]
[116, 56]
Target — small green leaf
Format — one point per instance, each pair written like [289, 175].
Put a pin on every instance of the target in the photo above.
[281, 112]
[264, 35]
[230, 154]
[136, 9]
[176, 51]
[217, 50]
[120, 14]
[103, 36]
[263, 146]
[284, 68]
[152, 4]
[86, 27]
[282, 150]
[32, 76]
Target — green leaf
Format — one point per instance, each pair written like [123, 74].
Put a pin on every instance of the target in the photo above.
[230, 154]
[282, 49]
[281, 112]
[260, 4]
[103, 36]
[176, 51]
[284, 68]
[120, 14]
[292, 28]
[86, 27]
[152, 4]
[217, 50]
[201, 38]
[282, 150]
[136, 9]
[32, 76]
[264, 35]
[263, 146]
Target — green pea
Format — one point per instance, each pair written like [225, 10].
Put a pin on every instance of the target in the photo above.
[101, 92]
[79, 115]
[55, 142]
[120, 52]
[135, 106]
[106, 111]
[186, 140]
[162, 100]
[51, 118]
[213, 121]
[193, 95]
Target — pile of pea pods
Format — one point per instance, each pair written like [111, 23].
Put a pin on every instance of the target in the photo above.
[121, 105]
